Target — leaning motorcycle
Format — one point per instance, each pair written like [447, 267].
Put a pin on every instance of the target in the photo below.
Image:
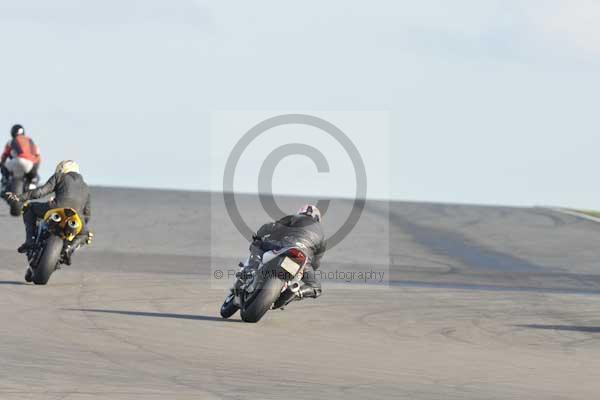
[55, 233]
[259, 289]
[17, 186]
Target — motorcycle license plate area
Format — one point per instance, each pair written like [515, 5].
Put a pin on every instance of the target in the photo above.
[290, 266]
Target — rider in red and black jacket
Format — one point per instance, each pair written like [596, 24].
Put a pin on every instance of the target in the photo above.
[21, 156]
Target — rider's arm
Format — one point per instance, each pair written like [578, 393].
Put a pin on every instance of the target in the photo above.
[5, 154]
[36, 152]
[42, 191]
[265, 230]
[257, 238]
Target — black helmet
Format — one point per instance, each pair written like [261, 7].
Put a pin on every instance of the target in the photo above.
[17, 130]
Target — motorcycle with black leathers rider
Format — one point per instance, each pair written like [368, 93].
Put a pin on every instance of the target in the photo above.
[57, 228]
[284, 256]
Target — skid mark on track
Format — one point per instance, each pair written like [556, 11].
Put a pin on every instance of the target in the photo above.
[450, 333]
[456, 246]
[556, 219]
[453, 245]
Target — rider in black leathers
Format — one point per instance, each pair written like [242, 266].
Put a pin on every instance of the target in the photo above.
[303, 229]
[70, 191]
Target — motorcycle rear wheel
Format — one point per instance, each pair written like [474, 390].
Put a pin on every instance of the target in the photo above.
[16, 188]
[49, 260]
[263, 300]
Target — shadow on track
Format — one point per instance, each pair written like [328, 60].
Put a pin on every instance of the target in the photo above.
[12, 283]
[567, 328]
[156, 315]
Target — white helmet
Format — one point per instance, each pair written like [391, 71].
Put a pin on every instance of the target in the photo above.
[311, 211]
[64, 167]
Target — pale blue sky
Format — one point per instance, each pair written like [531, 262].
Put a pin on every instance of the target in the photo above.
[489, 101]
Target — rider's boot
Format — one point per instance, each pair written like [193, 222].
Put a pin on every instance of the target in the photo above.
[30, 220]
[309, 291]
[69, 250]
[289, 295]
[25, 247]
[80, 240]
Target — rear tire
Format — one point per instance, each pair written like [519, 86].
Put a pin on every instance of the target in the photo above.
[263, 300]
[48, 261]
[16, 188]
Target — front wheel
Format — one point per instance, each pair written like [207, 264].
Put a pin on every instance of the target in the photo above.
[228, 308]
[48, 261]
[263, 300]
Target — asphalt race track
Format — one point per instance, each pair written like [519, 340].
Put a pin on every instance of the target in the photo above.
[476, 303]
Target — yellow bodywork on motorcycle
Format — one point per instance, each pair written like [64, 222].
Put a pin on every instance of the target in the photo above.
[70, 224]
